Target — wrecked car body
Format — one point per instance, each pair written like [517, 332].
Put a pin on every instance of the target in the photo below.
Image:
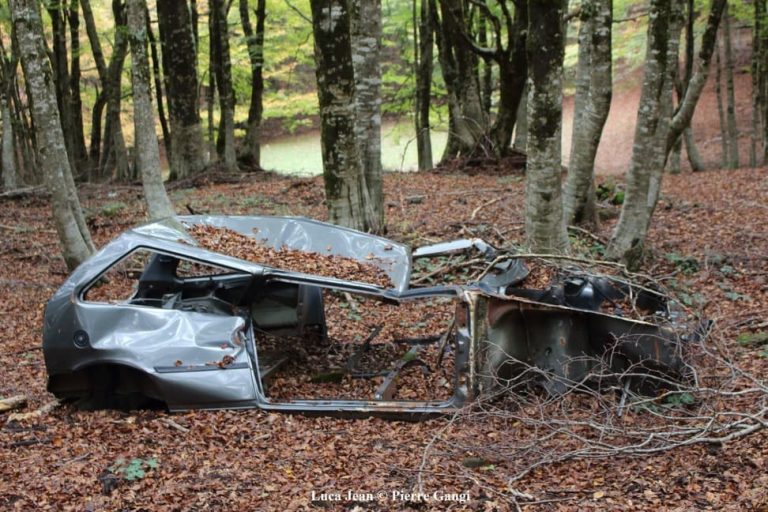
[158, 317]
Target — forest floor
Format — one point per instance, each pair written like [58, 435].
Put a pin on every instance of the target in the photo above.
[708, 238]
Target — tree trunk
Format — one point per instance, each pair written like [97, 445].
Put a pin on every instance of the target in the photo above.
[448, 68]
[10, 172]
[423, 44]
[76, 103]
[101, 96]
[648, 152]
[486, 78]
[67, 215]
[365, 38]
[521, 125]
[594, 89]
[115, 142]
[764, 76]
[694, 157]
[251, 149]
[725, 150]
[147, 151]
[469, 119]
[178, 49]
[544, 222]
[158, 80]
[758, 80]
[60, 62]
[513, 69]
[657, 130]
[11, 179]
[733, 130]
[345, 188]
[220, 44]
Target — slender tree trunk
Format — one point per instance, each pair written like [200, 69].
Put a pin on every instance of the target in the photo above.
[251, 150]
[177, 33]
[521, 125]
[648, 152]
[594, 89]
[67, 215]
[657, 129]
[469, 119]
[23, 132]
[345, 188]
[733, 130]
[10, 172]
[365, 38]
[423, 45]
[60, 62]
[210, 99]
[513, 69]
[115, 142]
[220, 44]
[544, 221]
[147, 151]
[764, 75]
[758, 80]
[725, 150]
[94, 153]
[694, 158]
[158, 80]
[486, 78]
[449, 72]
[11, 179]
[76, 103]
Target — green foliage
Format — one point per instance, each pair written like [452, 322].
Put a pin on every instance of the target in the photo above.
[135, 469]
[609, 191]
[113, 209]
[686, 264]
[753, 339]
[680, 399]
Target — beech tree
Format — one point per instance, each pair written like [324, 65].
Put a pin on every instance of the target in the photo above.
[544, 224]
[222, 70]
[187, 154]
[423, 37]
[468, 122]
[346, 191]
[658, 126]
[730, 94]
[251, 150]
[74, 237]
[147, 152]
[11, 179]
[594, 89]
[365, 26]
[510, 54]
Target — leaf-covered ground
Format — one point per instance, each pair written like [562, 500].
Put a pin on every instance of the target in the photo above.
[708, 239]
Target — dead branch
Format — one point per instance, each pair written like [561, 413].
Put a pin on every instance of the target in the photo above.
[13, 403]
[174, 425]
[598, 416]
[489, 203]
[20, 193]
[449, 267]
[41, 411]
